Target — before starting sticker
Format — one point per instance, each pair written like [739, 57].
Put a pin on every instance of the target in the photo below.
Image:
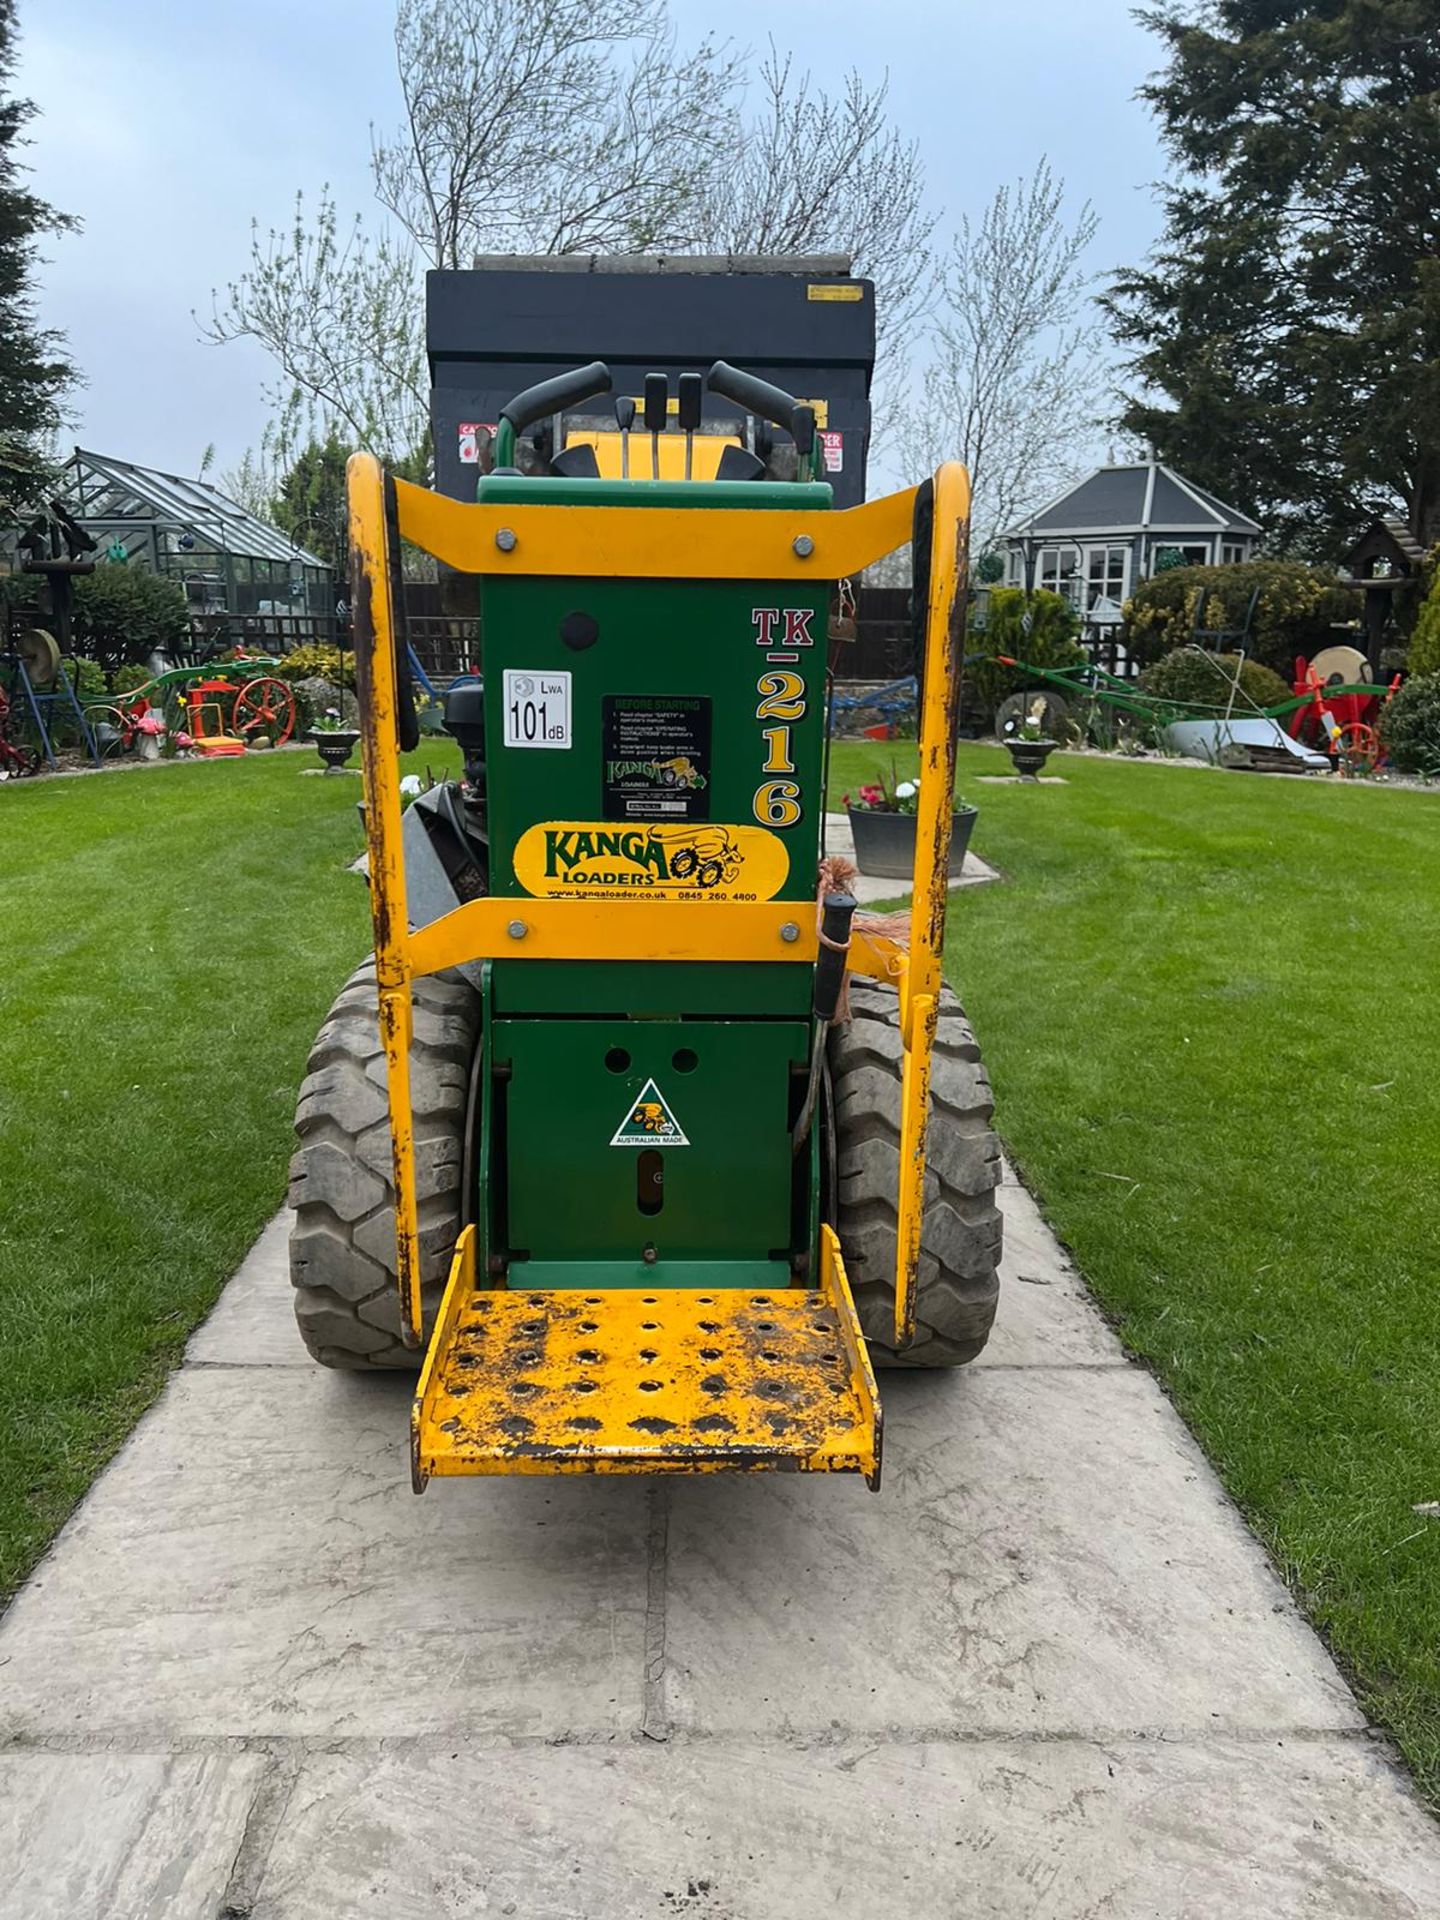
[657, 757]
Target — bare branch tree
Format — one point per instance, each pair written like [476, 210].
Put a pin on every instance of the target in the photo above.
[1014, 385]
[564, 126]
[813, 172]
[252, 482]
[560, 127]
[341, 314]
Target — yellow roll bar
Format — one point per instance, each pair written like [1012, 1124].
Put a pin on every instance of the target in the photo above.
[654, 543]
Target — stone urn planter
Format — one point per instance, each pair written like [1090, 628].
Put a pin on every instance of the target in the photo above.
[1028, 757]
[336, 747]
[885, 842]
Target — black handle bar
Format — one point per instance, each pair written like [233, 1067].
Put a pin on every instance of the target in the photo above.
[764, 401]
[556, 394]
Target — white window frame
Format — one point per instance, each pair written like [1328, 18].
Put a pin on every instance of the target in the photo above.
[1070, 584]
[1108, 548]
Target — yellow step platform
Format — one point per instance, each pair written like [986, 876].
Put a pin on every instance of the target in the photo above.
[627, 1381]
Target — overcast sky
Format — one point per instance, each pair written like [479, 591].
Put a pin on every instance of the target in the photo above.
[167, 125]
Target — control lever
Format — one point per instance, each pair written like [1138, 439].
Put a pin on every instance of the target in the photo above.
[625, 420]
[657, 413]
[692, 397]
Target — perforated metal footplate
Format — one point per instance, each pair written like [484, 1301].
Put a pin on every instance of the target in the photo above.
[671, 1381]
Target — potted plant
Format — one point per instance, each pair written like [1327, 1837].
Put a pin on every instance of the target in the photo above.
[334, 741]
[1029, 748]
[882, 819]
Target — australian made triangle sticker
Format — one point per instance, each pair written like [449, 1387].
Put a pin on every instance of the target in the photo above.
[649, 1122]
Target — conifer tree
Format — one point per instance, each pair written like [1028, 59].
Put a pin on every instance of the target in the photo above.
[1285, 333]
[33, 370]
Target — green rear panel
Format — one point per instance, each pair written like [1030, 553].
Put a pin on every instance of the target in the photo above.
[680, 665]
[728, 1087]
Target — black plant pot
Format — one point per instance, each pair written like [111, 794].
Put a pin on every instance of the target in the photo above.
[335, 748]
[1028, 757]
[885, 842]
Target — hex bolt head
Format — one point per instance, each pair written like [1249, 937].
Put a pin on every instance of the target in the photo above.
[789, 932]
[505, 540]
[648, 1253]
[803, 545]
[517, 929]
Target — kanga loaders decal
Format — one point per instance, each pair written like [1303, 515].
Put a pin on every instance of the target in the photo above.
[659, 860]
[649, 1122]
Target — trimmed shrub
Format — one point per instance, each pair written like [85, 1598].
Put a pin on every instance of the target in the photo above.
[87, 679]
[1199, 679]
[1424, 654]
[320, 662]
[1049, 643]
[1296, 612]
[1410, 726]
[127, 679]
[125, 613]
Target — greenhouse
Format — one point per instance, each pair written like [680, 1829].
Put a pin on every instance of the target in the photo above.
[228, 561]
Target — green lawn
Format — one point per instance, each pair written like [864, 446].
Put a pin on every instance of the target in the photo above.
[1208, 1003]
[169, 943]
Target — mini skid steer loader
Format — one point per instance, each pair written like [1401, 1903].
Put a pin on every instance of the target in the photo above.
[587, 1141]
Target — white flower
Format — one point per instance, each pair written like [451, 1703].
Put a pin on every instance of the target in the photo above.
[906, 790]
[411, 784]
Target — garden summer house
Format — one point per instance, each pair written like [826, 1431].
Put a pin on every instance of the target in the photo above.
[1119, 526]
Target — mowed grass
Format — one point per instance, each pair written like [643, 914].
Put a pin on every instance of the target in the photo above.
[169, 942]
[1205, 999]
[1208, 1005]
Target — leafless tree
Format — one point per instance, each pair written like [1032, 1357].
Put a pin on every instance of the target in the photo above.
[563, 126]
[813, 172]
[1013, 383]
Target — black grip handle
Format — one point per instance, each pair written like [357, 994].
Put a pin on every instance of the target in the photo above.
[755, 395]
[835, 918]
[407, 721]
[922, 532]
[625, 413]
[657, 402]
[691, 390]
[554, 395]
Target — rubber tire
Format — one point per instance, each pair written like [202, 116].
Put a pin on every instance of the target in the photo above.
[342, 1240]
[959, 1280]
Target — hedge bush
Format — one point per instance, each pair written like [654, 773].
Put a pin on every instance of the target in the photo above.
[1196, 678]
[319, 662]
[1296, 613]
[125, 613]
[1049, 643]
[1424, 654]
[1410, 726]
[128, 679]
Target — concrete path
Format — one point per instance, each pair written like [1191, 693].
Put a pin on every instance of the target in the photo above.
[1044, 1672]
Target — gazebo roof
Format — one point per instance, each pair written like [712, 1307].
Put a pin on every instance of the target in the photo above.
[1146, 498]
[114, 493]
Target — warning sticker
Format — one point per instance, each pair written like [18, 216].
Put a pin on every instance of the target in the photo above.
[832, 445]
[649, 1122]
[657, 757]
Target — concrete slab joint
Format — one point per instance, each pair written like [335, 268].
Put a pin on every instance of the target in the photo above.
[1045, 1671]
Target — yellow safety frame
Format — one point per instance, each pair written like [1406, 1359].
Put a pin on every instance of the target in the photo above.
[650, 543]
